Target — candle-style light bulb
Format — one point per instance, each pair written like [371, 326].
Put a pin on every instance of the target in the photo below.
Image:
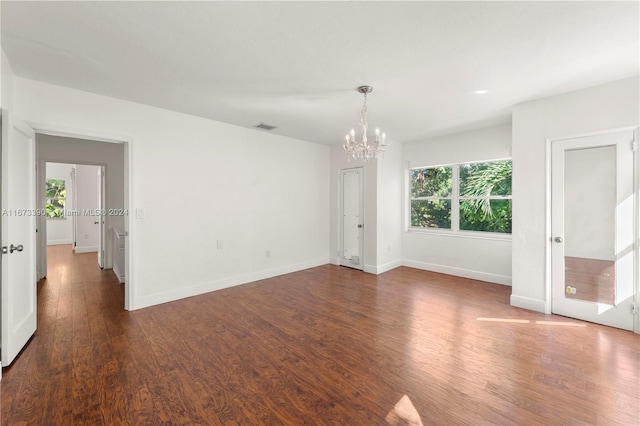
[353, 132]
[377, 132]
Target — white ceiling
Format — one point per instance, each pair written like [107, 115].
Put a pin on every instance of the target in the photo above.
[296, 65]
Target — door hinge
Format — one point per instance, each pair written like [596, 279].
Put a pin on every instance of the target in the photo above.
[634, 145]
[634, 308]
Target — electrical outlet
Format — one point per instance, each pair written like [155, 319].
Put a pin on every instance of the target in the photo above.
[220, 244]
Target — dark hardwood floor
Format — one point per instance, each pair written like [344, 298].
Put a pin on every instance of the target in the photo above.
[328, 345]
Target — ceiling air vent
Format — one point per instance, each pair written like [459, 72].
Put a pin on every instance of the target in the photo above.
[264, 126]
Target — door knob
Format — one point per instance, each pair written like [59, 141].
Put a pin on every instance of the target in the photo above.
[16, 248]
[558, 239]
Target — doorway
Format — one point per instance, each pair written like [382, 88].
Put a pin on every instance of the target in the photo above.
[594, 228]
[74, 205]
[352, 218]
[103, 165]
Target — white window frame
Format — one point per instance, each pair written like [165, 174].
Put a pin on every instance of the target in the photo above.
[455, 204]
[429, 198]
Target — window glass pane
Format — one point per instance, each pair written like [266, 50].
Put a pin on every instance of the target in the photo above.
[485, 179]
[55, 208]
[431, 213]
[435, 182]
[56, 188]
[485, 215]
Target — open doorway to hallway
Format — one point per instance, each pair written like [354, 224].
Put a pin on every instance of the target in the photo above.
[73, 206]
[92, 217]
[71, 275]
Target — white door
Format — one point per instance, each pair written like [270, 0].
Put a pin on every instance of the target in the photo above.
[593, 229]
[101, 204]
[352, 223]
[18, 236]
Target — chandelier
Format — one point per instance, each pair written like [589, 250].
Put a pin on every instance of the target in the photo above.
[362, 149]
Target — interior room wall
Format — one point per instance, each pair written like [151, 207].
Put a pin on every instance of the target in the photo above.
[485, 258]
[208, 199]
[60, 231]
[7, 79]
[389, 209]
[87, 200]
[596, 109]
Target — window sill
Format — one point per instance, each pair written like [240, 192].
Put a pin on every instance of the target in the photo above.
[476, 235]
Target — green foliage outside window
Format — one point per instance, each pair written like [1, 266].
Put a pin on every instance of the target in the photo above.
[480, 181]
[483, 200]
[56, 194]
[433, 213]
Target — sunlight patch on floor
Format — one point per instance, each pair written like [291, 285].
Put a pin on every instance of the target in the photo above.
[521, 321]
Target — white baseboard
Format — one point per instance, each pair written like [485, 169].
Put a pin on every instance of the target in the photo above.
[459, 272]
[119, 274]
[528, 303]
[170, 296]
[334, 261]
[381, 269]
[86, 249]
[59, 242]
[370, 269]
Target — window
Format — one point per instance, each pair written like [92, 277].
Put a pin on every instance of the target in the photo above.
[431, 191]
[462, 197]
[56, 195]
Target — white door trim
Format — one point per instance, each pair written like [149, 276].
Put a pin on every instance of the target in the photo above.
[129, 224]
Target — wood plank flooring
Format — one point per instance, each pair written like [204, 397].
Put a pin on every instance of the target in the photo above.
[594, 280]
[328, 345]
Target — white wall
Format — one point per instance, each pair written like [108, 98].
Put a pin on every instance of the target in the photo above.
[598, 108]
[389, 209]
[87, 200]
[60, 231]
[466, 255]
[110, 155]
[197, 181]
[7, 81]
